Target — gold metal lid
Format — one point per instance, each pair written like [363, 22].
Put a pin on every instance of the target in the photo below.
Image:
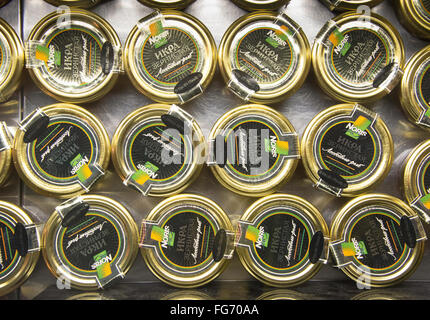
[61, 150]
[187, 295]
[416, 178]
[11, 60]
[187, 240]
[74, 56]
[158, 149]
[89, 241]
[264, 57]
[415, 88]
[415, 16]
[358, 59]
[260, 4]
[19, 249]
[253, 150]
[281, 240]
[347, 150]
[377, 240]
[74, 3]
[345, 5]
[170, 56]
[5, 153]
[281, 294]
[167, 4]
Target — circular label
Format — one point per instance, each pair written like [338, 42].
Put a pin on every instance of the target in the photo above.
[92, 244]
[281, 241]
[423, 7]
[357, 55]
[375, 241]
[422, 85]
[72, 58]
[255, 148]
[347, 151]
[423, 176]
[186, 239]
[9, 257]
[5, 58]
[61, 154]
[160, 152]
[265, 54]
[168, 55]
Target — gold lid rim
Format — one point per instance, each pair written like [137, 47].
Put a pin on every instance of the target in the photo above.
[287, 89]
[412, 20]
[37, 184]
[127, 222]
[408, 101]
[263, 188]
[29, 262]
[338, 91]
[85, 4]
[132, 119]
[5, 155]
[410, 187]
[251, 5]
[343, 215]
[172, 4]
[310, 211]
[146, 88]
[352, 4]
[157, 267]
[310, 164]
[87, 96]
[13, 79]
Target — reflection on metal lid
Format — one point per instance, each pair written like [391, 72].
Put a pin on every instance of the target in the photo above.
[170, 56]
[282, 240]
[264, 57]
[74, 55]
[253, 150]
[154, 154]
[377, 240]
[180, 237]
[260, 4]
[61, 150]
[167, 4]
[347, 150]
[358, 58]
[89, 241]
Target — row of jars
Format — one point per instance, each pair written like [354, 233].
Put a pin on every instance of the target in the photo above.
[75, 56]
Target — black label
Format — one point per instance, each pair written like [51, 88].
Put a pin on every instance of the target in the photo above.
[425, 178]
[62, 150]
[188, 83]
[36, 129]
[186, 239]
[264, 54]
[347, 150]
[425, 8]
[281, 241]
[246, 148]
[169, 55]
[245, 79]
[73, 57]
[383, 75]
[376, 241]
[423, 90]
[8, 250]
[107, 57]
[90, 239]
[157, 151]
[358, 55]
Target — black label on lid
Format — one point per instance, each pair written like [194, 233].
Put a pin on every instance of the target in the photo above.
[188, 83]
[186, 239]
[246, 80]
[36, 128]
[20, 239]
[107, 57]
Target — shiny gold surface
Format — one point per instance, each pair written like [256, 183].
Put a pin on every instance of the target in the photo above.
[22, 163]
[412, 19]
[125, 220]
[167, 4]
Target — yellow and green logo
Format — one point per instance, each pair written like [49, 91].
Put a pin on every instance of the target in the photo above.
[358, 128]
[48, 55]
[163, 235]
[354, 248]
[340, 42]
[80, 167]
[276, 147]
[279, 37]
[426, 201]
[145, 172]
[158, 34]
[102, 264]
[257, 236]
